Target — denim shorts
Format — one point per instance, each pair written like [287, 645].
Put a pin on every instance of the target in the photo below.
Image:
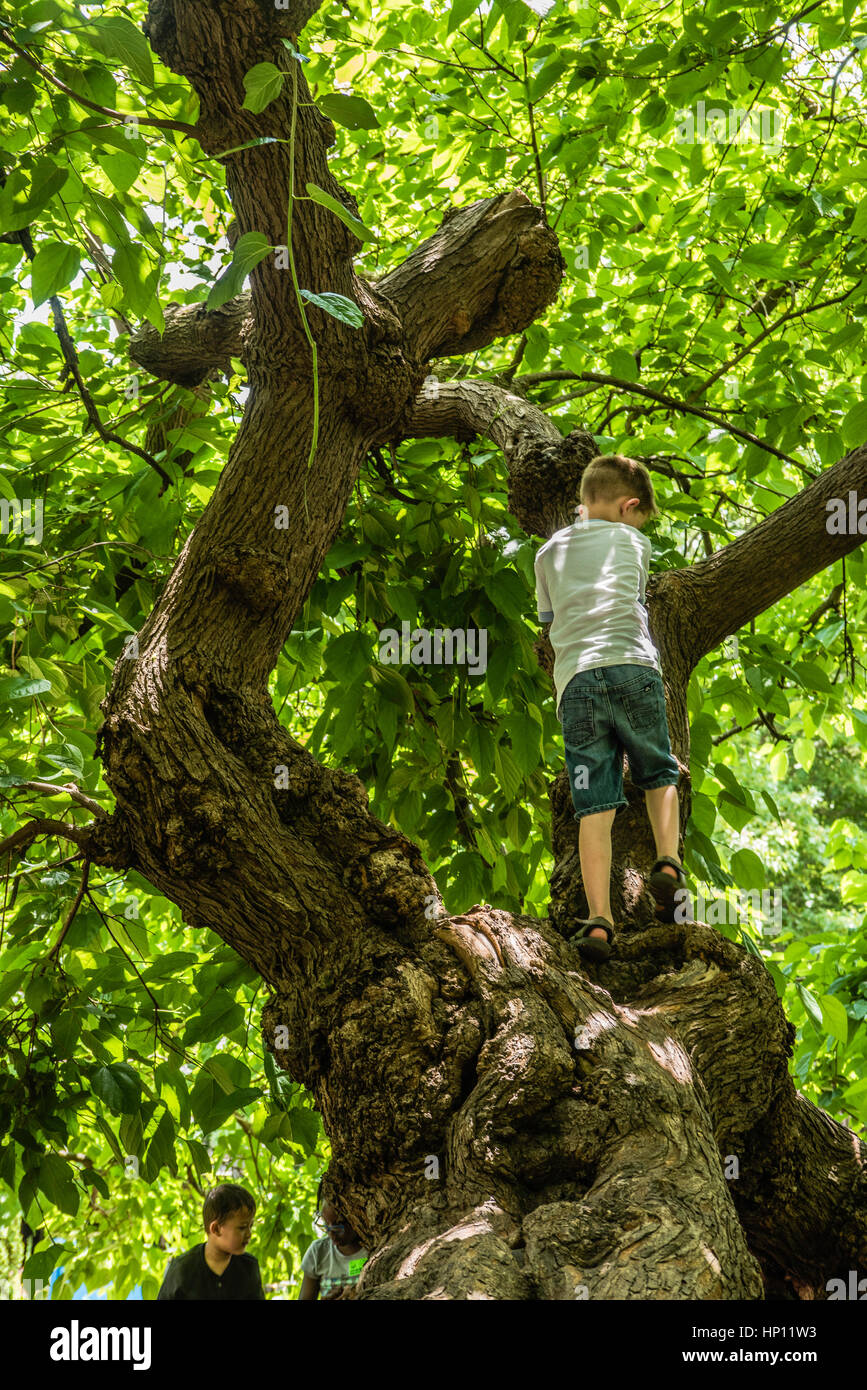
[604, 713]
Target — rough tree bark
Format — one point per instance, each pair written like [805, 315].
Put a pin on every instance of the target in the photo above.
[581, 1116]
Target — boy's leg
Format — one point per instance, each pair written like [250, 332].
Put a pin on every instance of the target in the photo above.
[594, 848]
[664, 814]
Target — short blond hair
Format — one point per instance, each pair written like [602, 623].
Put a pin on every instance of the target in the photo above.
[609, 477]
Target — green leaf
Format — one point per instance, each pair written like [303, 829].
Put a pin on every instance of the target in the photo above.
[348, 218]
[219, 1017]
[118, 1086]
[10, 983]
[393, 687]
[347, 655]
[64, 1032]
[812, 676]
[748, 869]
[305, 1128]
[110, 1137]
[858, 225]
[811, 1005]
[131, 1132]
[461, 10]
[250, 249]
[623, 364]
[41, 1264]
[122, 168]
[211, 1107]
[835, 1020]
[57, 1182]
[337, 305]
[262, 84]
[854, 425]
[524, 733]
[161, 1149]
[27, 1192]
[508, 772]
[654, 112]
[350, 111]
[53, 267]
[21, 688]
[199, 1155]
[220, 1075]
[119, 39]
[132, 267]
[17, 208]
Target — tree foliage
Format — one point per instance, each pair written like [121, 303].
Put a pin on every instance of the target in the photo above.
[711, 322]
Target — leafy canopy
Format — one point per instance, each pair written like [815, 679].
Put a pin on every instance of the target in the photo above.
[713, 260]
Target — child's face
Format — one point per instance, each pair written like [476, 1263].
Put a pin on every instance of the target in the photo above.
[233, 1234]
[331, 1217]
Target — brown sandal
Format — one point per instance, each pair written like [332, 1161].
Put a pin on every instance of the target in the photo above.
[592, 947]
[665, 888]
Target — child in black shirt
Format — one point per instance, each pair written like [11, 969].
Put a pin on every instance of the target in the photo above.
[220, 1268]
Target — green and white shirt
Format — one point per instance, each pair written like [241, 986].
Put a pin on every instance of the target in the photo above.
[323, 1261]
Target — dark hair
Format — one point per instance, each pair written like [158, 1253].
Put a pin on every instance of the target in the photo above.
[221, 1201]
[609, 477]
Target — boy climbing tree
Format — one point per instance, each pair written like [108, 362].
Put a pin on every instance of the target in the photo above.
[590, 587]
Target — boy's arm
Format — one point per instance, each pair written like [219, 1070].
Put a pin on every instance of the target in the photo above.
[543, 601]
[169, 1288]
[646, 552]
[309, 1288]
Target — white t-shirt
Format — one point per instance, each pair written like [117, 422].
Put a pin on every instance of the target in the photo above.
[323, 1261]
[590, 586]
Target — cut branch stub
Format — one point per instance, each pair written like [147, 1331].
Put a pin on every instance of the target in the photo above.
[489, 270]
[197, 343]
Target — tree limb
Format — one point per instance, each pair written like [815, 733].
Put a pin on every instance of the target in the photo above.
[780, 554]
[35, 829]
[67, 788]
[488, 271]
[544, 466]
[670, 402]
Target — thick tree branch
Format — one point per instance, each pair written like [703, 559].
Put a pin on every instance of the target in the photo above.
[488, 271]
[503, 257]
[544, 466]
[779, 554]
[197, 344]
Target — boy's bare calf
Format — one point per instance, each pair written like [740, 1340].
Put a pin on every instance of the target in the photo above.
[594, 847]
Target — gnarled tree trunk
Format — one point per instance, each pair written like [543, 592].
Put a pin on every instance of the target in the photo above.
[505, 1121]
